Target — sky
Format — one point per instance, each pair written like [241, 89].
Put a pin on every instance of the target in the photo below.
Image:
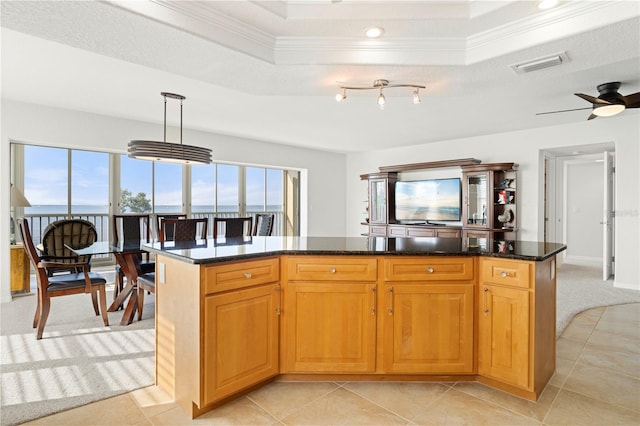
[47, 172]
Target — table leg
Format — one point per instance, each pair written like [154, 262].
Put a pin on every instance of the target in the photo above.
[127, 262]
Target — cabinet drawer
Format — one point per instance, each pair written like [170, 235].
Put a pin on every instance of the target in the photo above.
[239, 274]
[331, 268]
[380, 230]
[396, 231]
[448, 233]
[420, 232]
[508, 272]
[430, 268]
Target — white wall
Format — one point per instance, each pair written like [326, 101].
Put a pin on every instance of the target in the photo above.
[524, 147]
[323, 173]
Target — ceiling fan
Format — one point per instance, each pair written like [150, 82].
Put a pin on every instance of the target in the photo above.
[609, 103]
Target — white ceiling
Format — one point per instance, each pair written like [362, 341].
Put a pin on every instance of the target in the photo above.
[268, 69]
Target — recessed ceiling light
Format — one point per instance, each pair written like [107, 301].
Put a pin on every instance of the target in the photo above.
[547, 4]
[374, 32]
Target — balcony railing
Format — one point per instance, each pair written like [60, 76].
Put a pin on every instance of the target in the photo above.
[102, 222]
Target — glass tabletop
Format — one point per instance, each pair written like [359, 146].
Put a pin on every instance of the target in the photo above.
[107, 247]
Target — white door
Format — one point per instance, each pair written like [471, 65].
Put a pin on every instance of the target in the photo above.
[608, 216]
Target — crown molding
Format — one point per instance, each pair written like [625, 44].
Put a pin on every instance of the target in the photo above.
[547, 26]
[405, 51]
[204, 21]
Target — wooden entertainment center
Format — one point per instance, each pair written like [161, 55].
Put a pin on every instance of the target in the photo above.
[489, 196]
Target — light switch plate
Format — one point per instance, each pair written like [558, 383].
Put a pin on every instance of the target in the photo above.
[161, 272]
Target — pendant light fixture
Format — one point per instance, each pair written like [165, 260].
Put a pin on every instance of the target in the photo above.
[167, 151]
[379, 85]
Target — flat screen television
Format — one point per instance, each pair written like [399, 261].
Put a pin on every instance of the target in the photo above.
[436, 200]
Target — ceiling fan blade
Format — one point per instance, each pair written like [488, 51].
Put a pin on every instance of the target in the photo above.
[592, 99]
[592, 116]
[562, 110]
[633, 100]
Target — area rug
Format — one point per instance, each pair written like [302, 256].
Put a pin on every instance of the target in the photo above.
[77, 361]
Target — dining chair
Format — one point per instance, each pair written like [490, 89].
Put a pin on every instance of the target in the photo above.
[78, 279]
[169, 231]
[233, 226]
[263, 224]
[73, 232]
[132, 228]
[183, 229]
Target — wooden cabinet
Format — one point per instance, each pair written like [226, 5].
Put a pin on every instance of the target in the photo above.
[427, 309]
[221, 328]
[410, 231]
[489, 199]
[381, 202]
[381, 199]
[504, 334]
[516, 350]
[240, 340]
[330, 315]
[217, 328]
[20, 267]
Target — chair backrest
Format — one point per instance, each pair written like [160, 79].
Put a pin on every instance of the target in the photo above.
[73, 232]
[131, 227]
[233, 226]
[263, 225]
[183, 229]
[168, 232]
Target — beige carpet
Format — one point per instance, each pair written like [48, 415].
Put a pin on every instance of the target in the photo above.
[77, 361]
[580, 287]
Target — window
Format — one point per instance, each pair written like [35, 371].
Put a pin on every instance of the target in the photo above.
[62, 183]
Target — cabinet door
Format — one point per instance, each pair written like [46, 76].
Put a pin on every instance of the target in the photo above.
[378, 201]
[476, 208]
[428, 328]
[329, 327]
[240, 340]
[504, 334]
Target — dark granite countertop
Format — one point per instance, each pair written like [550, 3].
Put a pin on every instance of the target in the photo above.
[223, 250]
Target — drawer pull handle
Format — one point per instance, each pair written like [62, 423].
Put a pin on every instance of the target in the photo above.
[430, 270]
[504, 274]
[247, 275]
[332, 270]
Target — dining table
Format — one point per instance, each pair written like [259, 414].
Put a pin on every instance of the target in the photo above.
[127, 254]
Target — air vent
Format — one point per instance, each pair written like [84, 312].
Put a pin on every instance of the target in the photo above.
[541, 63]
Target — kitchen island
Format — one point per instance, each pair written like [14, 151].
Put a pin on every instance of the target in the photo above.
[232, 315]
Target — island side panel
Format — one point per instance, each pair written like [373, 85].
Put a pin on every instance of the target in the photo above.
[178, 309]
[544, 350]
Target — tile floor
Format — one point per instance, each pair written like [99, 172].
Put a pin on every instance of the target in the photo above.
[597, 382]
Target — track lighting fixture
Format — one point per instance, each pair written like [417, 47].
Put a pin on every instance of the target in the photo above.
[167, 151]
[379, 85]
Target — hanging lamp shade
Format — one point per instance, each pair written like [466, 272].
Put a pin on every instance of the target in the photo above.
[168, 151]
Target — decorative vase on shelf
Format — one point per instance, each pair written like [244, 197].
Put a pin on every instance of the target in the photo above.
[505, 217]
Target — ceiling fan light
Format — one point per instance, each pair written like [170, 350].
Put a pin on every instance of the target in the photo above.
[608, 110]
[416, 97]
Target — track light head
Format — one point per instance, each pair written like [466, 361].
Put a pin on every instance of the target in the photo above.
[341, 96]
[416, 97]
